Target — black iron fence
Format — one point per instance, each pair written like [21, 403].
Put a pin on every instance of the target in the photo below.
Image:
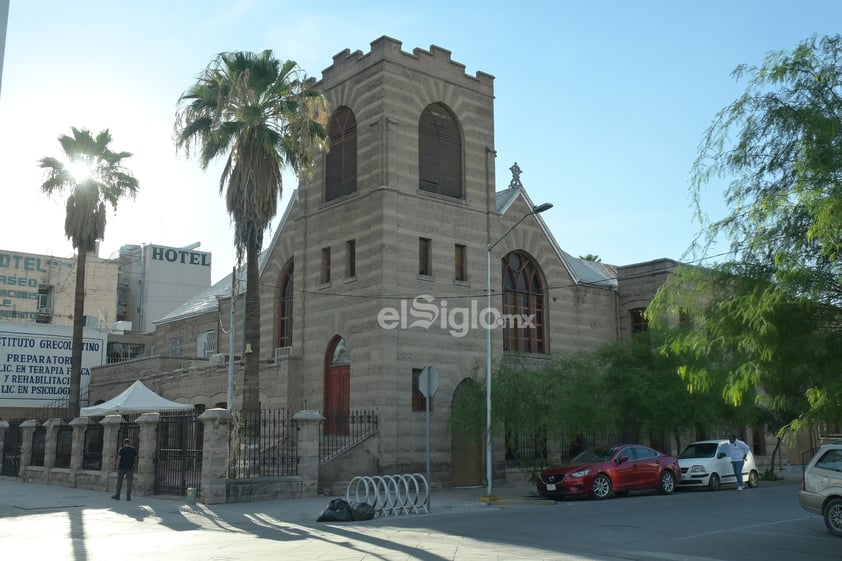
[92, 452]
[178, 458]
[11, 449]
[341, 432]
[64, 444]
[264, 443]
[39, 446]
[529, 449]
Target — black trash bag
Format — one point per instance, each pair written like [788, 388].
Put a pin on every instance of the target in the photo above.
[362, 511]
[338, 510]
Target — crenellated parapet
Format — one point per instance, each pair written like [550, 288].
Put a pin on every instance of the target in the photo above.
[436, 61]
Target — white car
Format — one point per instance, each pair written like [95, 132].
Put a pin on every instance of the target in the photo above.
[707, 463]
[821, 486]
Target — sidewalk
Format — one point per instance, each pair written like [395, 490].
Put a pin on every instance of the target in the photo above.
[17, 497]
[52, 522]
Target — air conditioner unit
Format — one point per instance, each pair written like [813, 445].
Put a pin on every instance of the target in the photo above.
[282, 352]
[217, 359]
[188, 364]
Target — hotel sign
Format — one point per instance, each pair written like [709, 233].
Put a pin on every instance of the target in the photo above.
[181, 256]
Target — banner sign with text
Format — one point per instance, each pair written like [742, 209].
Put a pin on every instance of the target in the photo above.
[35, 363]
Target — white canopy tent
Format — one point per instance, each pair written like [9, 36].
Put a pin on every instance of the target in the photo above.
[136, 399]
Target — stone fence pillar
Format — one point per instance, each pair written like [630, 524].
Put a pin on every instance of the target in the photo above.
[52, 426]
[216, 455]
[308, 422]
[111, 428]
[27, 430]
[3, 426]
[144, 477]
[77, 450]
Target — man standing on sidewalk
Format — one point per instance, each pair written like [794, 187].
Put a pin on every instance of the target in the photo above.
[125, 464]
[739, 453]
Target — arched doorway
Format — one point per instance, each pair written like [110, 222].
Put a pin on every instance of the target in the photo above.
[466, 449]
[337, 391]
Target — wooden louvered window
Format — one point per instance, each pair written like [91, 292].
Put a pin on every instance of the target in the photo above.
[523, 305]
[341, 160]
[440, 152]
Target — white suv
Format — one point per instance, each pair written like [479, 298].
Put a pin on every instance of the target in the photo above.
[821, 486]
[707, 463]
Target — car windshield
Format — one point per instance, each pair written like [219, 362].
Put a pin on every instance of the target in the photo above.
[594, 455]
[699, 450]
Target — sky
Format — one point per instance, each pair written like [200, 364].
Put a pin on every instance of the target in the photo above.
[602, 103]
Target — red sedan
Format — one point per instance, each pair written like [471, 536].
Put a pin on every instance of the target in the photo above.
[602, 472]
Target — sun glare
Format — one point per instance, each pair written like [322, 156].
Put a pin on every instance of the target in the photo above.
[80, 170]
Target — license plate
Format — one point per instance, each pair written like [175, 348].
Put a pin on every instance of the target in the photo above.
[550, 486]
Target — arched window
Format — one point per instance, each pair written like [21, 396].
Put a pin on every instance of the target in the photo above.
[341, 160]
[440, 152]
[523, 305]
[284, 322]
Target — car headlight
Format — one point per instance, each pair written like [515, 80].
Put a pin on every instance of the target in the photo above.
[697, 469]
[580, 473]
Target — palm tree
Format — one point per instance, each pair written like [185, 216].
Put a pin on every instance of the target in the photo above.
[261, 115]
[94, 175]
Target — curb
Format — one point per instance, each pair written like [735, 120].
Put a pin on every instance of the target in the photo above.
[525, 501]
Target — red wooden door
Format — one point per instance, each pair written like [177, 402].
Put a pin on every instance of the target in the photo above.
[337, 399]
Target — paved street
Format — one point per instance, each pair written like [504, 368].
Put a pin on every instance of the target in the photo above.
[764, 524]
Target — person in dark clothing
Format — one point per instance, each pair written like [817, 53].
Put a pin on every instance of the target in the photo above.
[125, 464]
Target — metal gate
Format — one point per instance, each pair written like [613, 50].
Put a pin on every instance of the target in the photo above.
[11, 450]
[178, 458]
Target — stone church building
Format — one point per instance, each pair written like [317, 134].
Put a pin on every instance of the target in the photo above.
[379, 269]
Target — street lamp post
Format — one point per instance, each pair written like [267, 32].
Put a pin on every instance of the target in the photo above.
[488, 458]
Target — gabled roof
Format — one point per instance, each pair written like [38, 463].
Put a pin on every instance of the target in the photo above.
[582, 271]
[208, 301]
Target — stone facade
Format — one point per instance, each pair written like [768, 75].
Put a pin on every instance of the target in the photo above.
[387, 90]
[639, 282]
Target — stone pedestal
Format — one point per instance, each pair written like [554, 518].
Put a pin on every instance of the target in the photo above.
[111, 428]
[52, 426]
[144, 476]
[80, 425]
[3, 426]
[27, 430]
[216, 456]
[308, 450]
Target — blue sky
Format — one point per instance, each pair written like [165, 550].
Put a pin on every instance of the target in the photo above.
[601, 103]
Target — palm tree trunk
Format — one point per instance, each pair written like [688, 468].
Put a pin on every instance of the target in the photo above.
[78, 325]
[251, 361]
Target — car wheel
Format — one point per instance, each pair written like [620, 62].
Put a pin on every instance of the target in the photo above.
[667, 483]
[714, 482]
[833, 517]
[753, 479]
[601, 487]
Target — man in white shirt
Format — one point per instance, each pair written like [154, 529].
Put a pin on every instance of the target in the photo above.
[739, 453]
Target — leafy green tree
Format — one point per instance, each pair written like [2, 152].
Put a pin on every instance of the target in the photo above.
[753, 342]
[653, 401]
[545, 404]
[95, 176]
[769, 316]
[261, 115]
